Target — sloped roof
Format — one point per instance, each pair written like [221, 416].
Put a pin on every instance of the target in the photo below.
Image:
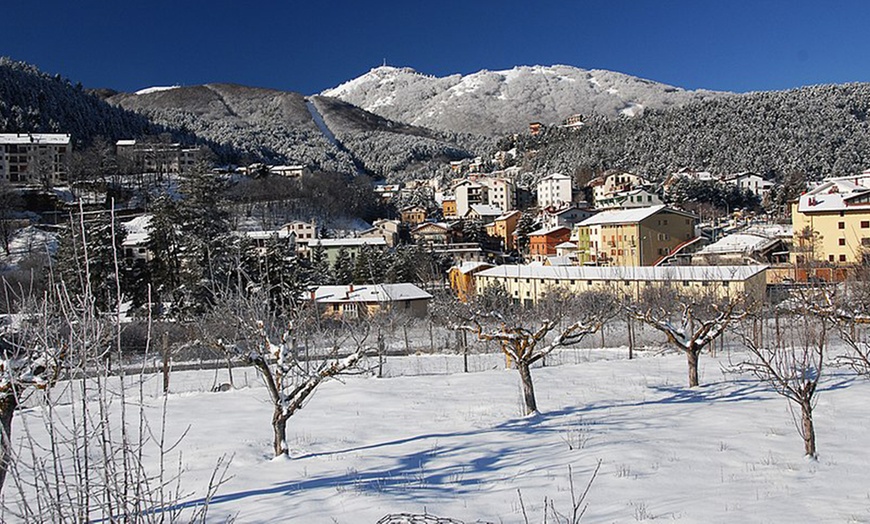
[629, 216]
[469, 267]
[369, 293]
[643, 273]
[738, 243]
[348, 242]
[548, 231]
[831, 195]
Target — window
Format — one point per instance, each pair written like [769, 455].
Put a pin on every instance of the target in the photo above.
[841, 225]
[685, 283]
[588, 282]
[725, 283]
[865, 224]
[841, 241]
[842, 258]
[830, 258]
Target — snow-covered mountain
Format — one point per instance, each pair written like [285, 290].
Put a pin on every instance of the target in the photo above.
[498, 102]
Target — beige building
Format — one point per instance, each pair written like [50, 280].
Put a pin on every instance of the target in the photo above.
[363, 301]
[633, 237]
[832, 222]
[527, 284]
[34, 158]
[605, 187]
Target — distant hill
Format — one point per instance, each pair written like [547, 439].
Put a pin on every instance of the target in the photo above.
[818, 131]
[502, 102]
[35, 102]
[280, 126]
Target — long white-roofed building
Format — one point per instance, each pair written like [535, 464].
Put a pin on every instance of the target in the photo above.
[527, 284]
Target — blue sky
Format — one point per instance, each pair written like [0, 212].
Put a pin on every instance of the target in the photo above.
[308, 46]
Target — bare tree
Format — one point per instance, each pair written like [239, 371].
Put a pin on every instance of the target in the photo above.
[270, 343]
[526, 346]
[848, 306]
[792, 364]
[691, 322]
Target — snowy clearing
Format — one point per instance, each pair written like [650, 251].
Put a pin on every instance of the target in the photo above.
[453, 444]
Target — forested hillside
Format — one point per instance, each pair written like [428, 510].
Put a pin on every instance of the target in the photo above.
[820, 131]
[35, 102]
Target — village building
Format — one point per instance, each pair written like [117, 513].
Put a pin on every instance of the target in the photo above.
[413, 215]
[527, 284]
[543, 242]
[332, 246]
[503, 227]
[462, 278]
[158, 157]
[555, 190]
[633, 237]
[366, 300]
[433, 233]
[35, 158]
[831, 223]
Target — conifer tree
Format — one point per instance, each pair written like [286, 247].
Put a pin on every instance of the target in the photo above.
[342, 269]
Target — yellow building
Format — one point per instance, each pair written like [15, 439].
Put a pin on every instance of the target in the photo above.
[503, 229]
[527, 284]
[462, 278]
[633, 237]
[832, 222]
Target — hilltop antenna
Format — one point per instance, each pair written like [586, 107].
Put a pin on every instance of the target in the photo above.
[385, 62]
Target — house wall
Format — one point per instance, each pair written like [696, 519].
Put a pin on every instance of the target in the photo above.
[840, 237]
[529, 290]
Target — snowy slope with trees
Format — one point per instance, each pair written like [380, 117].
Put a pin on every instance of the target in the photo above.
[818, 131]
[501, 102]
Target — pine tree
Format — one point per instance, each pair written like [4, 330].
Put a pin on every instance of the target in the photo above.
[86, 259]
[342, 269]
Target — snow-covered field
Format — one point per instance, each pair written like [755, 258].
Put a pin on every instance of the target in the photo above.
[431, 438]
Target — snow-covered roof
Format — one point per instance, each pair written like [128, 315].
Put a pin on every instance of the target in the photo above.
[548, 230]
[348, 242]
[628, 216]
[137, 230]
[566, 245]
[34, 138]
[486, 210]
[508, 215]
[559, 260]
[468, 267]
[738, 243]
[642, 273]
[369, 293]
[556, 176]
[831, 195]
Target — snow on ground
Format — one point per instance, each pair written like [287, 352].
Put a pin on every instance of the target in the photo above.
[155, 89]
[454, 444]
[26, 242]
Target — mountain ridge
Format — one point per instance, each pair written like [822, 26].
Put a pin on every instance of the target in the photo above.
[496, 102]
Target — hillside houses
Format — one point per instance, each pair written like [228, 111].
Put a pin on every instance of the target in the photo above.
[35, 158]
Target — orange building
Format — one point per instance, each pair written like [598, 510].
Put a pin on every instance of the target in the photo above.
[543, 242]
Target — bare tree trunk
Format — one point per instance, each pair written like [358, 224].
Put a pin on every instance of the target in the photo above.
[692, 353]
[808, 431]
[630, 338]
[165, 361]
[279, 431]
[528, 387]
[7, 411]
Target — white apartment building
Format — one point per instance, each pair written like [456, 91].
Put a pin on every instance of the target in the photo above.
[554, 190]
[34, 158]
[467, 194]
